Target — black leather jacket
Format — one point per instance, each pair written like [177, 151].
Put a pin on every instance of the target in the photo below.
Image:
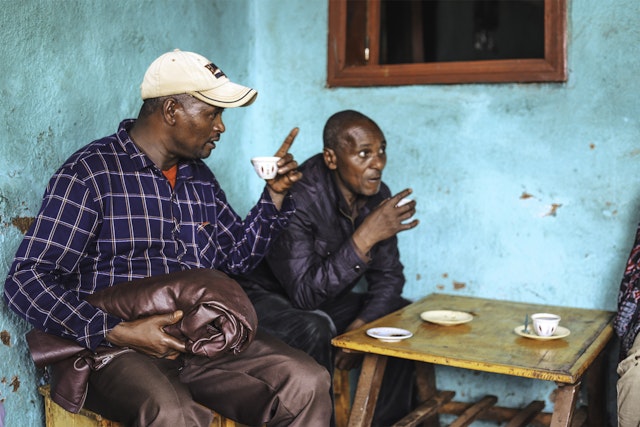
[314, 260]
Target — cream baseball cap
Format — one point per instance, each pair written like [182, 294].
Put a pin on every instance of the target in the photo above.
[181, 72]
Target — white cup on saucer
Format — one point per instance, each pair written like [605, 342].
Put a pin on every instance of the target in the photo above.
[545, 324]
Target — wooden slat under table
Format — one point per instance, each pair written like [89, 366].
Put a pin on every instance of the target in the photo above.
[488, 343]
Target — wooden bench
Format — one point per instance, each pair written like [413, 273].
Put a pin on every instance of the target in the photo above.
[56, 416]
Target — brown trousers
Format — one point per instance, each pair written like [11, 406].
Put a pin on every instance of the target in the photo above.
[269, 383]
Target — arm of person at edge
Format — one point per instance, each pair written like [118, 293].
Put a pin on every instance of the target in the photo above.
[147, 335]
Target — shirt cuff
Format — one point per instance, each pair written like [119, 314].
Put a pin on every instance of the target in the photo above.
[287, 209]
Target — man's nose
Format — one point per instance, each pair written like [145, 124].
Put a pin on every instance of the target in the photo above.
[378, 162]
[219, 126]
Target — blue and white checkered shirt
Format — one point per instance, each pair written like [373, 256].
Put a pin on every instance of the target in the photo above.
[109, 215]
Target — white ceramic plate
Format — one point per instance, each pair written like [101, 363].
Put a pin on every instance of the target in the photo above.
[389, 334]
[446, 317]
[560, 332]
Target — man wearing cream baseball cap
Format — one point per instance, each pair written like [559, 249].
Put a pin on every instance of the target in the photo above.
[186, 72]
[141, 203]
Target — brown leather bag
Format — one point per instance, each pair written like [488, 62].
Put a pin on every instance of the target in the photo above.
[218, 317]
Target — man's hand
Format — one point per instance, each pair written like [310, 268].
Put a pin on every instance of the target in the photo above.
[147, 336]
[385, 221]
[347, 359]
[287, 171]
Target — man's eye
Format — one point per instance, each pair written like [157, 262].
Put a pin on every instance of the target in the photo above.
[363, 154]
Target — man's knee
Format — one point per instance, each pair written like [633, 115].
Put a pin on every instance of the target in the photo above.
[320, 325]
[628, 388]
[166, 410]
[318, 378]
[309, 331]
[309, 382]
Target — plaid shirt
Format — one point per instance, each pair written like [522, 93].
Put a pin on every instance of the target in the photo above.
[108, 216]
[626, 323]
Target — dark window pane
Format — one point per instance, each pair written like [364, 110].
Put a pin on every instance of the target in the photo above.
[415, 31]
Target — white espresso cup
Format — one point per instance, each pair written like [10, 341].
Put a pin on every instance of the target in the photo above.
[545, 324]
[265, 167]
[403, 202]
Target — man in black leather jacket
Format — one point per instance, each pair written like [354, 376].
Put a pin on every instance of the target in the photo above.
[337, 265]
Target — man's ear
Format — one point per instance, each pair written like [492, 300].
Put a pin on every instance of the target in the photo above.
[330, 159]
[169, 107]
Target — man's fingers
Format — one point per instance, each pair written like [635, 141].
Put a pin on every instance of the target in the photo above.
[403, 194]
[174, 317]
[284, 148]
[172, 342]
[175, 344]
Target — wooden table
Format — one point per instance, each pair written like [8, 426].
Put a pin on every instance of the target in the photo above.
[488, 343]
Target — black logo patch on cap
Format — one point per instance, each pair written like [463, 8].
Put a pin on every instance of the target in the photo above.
[217, 72]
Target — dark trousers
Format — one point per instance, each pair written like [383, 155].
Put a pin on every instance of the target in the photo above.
[312, 331]
[269, 382]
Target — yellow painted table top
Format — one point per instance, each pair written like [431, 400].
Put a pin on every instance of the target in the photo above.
[488, 342]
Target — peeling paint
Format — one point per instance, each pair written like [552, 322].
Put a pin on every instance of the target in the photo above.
[440, 287]
[22, 223]
[459, 285]
[553, 209]
[5, 337]
[525, 195]
[15, 383]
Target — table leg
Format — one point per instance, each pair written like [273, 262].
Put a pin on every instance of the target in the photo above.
[596, 383]
[364, 402]
[565, 404]
[426, 388]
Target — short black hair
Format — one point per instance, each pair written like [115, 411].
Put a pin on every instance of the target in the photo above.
[151, 105]
[333, 135]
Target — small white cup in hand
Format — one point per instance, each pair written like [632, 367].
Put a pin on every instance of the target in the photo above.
[403, 202]
[545, 324]
[266, 167]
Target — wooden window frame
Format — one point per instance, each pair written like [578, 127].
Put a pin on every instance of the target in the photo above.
[369, 73]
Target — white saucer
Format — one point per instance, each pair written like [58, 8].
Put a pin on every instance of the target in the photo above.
[389, 334]
[560, 332]
[446, 317]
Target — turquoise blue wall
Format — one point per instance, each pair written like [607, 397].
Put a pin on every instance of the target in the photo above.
[486, 162]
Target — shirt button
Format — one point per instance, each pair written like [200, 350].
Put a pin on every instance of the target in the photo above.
[357, 268]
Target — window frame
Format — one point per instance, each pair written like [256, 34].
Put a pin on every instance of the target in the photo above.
[552, 68]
